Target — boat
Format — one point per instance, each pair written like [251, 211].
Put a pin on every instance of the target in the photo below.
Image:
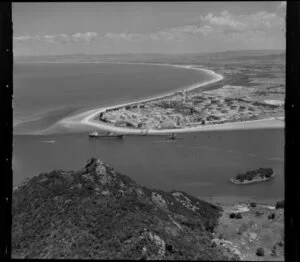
[172, 136]
[95, 134]
[254, 180]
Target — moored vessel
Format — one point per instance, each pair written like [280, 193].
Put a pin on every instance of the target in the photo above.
[95, 134]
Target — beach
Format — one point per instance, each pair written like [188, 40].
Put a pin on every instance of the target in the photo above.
[87, 120]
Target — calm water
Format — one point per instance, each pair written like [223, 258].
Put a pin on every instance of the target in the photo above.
[45, 93]
[198, 163]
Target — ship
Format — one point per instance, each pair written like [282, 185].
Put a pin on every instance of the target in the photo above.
[95, 134]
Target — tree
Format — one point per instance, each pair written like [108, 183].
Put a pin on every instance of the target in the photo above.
[260, 252]
[280, 204]
[238, 216]
[271, 216]
[232, 215]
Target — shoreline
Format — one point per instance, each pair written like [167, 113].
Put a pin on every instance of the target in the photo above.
[85, 120]
[231, 201]
[269, 123]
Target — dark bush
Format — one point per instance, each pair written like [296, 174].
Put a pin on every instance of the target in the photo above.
[213, 244]
[238, 216]
[274, 253]
[260, 252]
[258, 213]
[232, 215]
[252, 204]
[280, 204]
[235, 215]
[280, 243]
[271, 216]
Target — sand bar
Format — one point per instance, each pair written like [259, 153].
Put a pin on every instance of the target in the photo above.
[86, 120]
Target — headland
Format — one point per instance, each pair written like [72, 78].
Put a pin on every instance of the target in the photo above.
[98, 212]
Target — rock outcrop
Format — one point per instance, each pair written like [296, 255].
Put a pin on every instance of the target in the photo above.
[99, 213]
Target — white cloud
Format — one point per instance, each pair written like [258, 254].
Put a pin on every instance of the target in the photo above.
[125, 36]
[22, 38]
[178, 34]
[167, 35]
[225, 19]
[61, 38]
[282, 5]
[223, 25]
[50, 39]
[228, 23]
[281, 9]
[192, 29]
[86, 37]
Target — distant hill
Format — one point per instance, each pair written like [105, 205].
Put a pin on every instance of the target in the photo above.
[98, 213]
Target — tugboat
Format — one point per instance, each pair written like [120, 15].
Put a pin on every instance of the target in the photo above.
[108, 134]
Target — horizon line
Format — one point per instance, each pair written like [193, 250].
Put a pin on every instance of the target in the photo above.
[112, 54]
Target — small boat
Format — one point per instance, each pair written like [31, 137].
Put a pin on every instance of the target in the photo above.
[173, 136]
[108, 134]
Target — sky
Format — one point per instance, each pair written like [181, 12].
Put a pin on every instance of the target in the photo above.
[146, 27]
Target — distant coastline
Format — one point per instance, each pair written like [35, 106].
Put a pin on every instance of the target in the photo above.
[86, 121]
[87, 118]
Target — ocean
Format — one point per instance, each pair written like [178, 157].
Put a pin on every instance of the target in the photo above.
[198, 163]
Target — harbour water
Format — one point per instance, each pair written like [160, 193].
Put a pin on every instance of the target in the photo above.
[46, 93]
[198, 163]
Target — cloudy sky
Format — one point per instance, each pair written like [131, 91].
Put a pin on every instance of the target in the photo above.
[157, 27]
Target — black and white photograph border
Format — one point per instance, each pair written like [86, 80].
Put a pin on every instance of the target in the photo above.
[199, 171]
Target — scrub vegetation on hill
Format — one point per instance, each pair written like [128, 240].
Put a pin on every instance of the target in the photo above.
[100, 214]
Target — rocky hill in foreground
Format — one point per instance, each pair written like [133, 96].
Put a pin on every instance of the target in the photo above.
[100, 214]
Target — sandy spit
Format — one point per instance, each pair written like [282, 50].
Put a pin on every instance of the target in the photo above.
[85, 121]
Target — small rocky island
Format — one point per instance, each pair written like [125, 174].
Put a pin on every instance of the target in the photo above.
[254, 176]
